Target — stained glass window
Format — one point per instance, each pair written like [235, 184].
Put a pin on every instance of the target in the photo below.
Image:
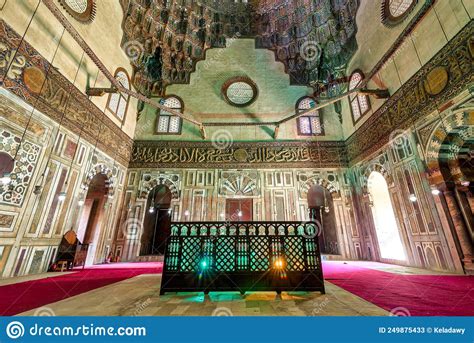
[308, 125]
[118, 102]
[167, 122]
[359, 103]
[398, 7]
[79, 6]
[240, 91]
[394, 11]
[82, 10]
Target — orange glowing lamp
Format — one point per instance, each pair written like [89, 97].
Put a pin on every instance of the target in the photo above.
[279, 264]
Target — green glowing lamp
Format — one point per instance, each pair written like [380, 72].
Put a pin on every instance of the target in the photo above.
[203, 264]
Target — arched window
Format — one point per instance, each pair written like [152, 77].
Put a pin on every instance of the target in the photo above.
[308, 125]
[168, 123]
[359, 103]
[118, 102]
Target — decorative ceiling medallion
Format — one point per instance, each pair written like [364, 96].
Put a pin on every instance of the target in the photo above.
[395, 11]
[436, 80]
[34, 78]
[81, 10]
[240, 91]
[241, 155]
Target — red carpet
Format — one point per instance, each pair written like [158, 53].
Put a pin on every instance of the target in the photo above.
[421, 295]
[24, 296]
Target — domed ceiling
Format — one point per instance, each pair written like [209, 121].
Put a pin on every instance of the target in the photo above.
[164, 39]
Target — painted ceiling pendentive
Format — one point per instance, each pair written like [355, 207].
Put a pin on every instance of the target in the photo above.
[313, 38]
[165, 39]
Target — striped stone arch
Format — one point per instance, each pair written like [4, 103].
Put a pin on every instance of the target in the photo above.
[163, 179]
[100, 168]
[445, 143]
[375, 167]
[317, 181]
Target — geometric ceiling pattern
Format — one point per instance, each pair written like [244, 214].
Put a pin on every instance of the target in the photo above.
[164, 39]
[313, 38]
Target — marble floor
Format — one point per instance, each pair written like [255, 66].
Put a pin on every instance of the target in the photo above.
[13, 280]
[139, 296]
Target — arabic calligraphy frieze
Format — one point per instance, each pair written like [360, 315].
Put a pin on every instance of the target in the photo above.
[154, 154]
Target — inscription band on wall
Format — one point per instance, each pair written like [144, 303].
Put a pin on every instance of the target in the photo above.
[156, 154]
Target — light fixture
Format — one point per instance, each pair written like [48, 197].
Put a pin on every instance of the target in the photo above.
[465, 183]
[240, 214]
[222, 215]
[412, 198]
[62, 196]
[327, 209]
[80, 202]
[435, 191]
[279, 264]
[110, 196]
[6, 178]
[186, 213]
[203, 264]
[151, 209]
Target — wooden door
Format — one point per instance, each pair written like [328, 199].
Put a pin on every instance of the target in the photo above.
[239, 210]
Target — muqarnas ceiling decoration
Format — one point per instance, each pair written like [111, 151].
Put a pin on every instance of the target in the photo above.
[165, 39]
[313, 38]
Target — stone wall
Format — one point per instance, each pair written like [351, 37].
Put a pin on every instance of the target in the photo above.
[56, 160]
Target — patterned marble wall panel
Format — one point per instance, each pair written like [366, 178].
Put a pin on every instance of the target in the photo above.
[69, 164]
[243, 183]
[420, 225]
[4, 253]
[60, 227]
[7, 221]
[203, 194]
[37, 260]
[27, 154]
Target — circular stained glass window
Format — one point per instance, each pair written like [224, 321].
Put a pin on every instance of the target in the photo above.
[240, 91]
[79, 6]
[82, 10]
[394, 11]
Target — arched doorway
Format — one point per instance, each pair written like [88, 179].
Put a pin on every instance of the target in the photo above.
[321, 208]
[157, 222]
[386, 228]
[88, 231]
[6, 167]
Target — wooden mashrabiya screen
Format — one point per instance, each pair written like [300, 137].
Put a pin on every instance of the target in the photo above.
[242, 256]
